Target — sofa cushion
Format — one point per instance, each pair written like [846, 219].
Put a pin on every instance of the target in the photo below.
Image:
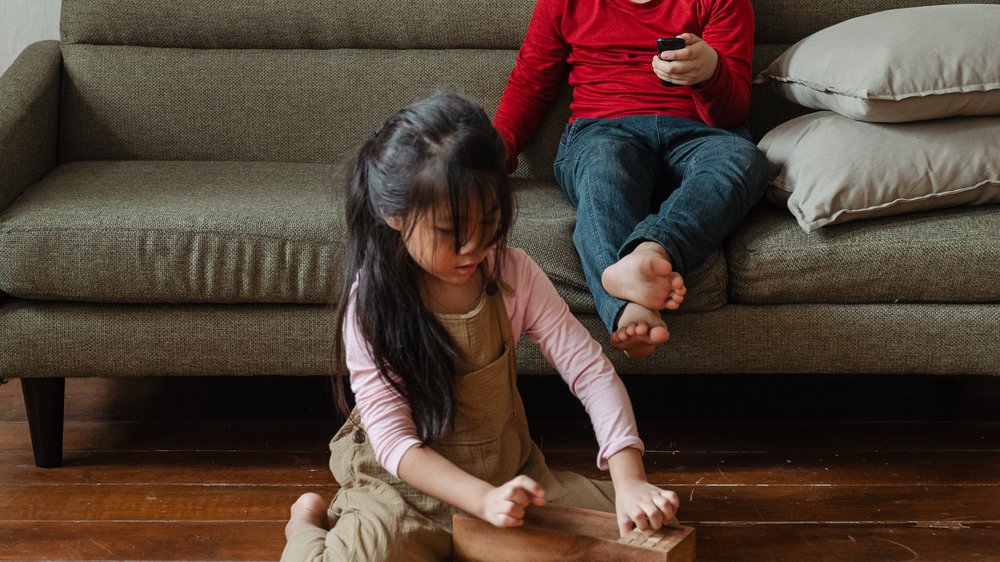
[130, 232]
[946, 256]
[544, 229]
[234, 232]
[898, 65]
[830, 169]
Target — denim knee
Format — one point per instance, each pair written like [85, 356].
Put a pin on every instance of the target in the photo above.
[749, 167]
[756, 171]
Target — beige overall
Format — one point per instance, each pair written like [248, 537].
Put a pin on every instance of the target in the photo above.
[384, 518]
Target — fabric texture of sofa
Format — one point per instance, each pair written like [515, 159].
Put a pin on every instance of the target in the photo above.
[171, 202]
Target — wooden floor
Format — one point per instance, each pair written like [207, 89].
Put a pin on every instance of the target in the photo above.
[776, 468]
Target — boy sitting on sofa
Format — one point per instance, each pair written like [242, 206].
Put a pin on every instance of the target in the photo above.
[656, 159]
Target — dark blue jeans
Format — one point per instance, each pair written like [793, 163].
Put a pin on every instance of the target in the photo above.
[670, 180]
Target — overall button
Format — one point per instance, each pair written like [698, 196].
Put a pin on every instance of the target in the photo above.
[359, 437]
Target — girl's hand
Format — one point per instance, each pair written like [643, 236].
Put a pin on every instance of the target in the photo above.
[642, 505]
[689, 66]
[504, 505]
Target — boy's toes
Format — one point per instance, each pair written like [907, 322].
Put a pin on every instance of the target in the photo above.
[631, 346]
[639, 339]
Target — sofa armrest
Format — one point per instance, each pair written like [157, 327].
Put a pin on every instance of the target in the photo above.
[29, 118]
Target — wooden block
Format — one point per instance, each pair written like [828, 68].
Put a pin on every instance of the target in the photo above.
[556, 533]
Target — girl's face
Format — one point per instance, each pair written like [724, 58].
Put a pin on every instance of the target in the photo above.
[429, 237]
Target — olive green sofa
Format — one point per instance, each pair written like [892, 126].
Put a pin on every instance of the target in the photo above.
[170, 204]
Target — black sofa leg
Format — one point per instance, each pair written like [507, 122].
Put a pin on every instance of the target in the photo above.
[44, 399]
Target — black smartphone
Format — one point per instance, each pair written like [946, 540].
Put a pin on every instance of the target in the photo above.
[669, 44]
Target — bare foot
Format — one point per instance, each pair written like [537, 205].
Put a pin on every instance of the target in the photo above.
[640, 331]
[646, 277]
[309, 511]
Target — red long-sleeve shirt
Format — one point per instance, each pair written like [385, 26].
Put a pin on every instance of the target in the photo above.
[608, 46]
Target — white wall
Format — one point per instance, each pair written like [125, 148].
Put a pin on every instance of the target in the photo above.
[23, 22]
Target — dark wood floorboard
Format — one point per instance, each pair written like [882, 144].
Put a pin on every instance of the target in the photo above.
[775, 468]
[141, 540]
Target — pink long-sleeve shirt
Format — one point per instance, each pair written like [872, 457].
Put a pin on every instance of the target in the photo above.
[535, 309]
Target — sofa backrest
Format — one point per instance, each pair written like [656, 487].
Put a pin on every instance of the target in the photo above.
[306, 80]
[268, 80]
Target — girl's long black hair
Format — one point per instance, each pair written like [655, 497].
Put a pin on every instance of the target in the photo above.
[442, 150]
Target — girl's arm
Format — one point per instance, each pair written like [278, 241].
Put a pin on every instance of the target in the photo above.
[569, 347]
[538, 310]
[503, 506]
[638, 503]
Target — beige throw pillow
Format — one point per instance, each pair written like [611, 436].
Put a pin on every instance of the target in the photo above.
[830, 169]
[898, 65]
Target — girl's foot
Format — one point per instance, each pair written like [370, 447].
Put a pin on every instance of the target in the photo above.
[309, 511]
[646, 277]
[640, 331]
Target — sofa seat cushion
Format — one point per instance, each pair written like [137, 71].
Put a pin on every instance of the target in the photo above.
[236, 232]
[544, 229]
[945, 256]
[148, 231]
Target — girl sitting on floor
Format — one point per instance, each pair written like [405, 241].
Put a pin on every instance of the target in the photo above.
[434, 307]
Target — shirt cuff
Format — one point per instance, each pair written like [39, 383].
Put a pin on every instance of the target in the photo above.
[510, 151]
[394, 456]
[610, 449]
[713, 81]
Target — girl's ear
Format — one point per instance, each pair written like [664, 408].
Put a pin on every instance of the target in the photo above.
[395, 223]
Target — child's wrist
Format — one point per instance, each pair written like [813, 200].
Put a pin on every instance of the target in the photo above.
[481, 502]
[626, 468]
[625, 483]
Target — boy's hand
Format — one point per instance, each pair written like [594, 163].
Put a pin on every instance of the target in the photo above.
[642, 505]
[504, 505]
[689, 66]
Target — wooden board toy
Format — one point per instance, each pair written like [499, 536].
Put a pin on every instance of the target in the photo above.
[554, 533]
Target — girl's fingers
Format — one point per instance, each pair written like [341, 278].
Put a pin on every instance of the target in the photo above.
[517, 495]
[672, 499]
[638, 518]
[646, 516]
[529, 485]
[507, 521]
[665, 507]
[524, 490]
[653, 515]
[625, 527]
[516, 511]
[511, 509]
